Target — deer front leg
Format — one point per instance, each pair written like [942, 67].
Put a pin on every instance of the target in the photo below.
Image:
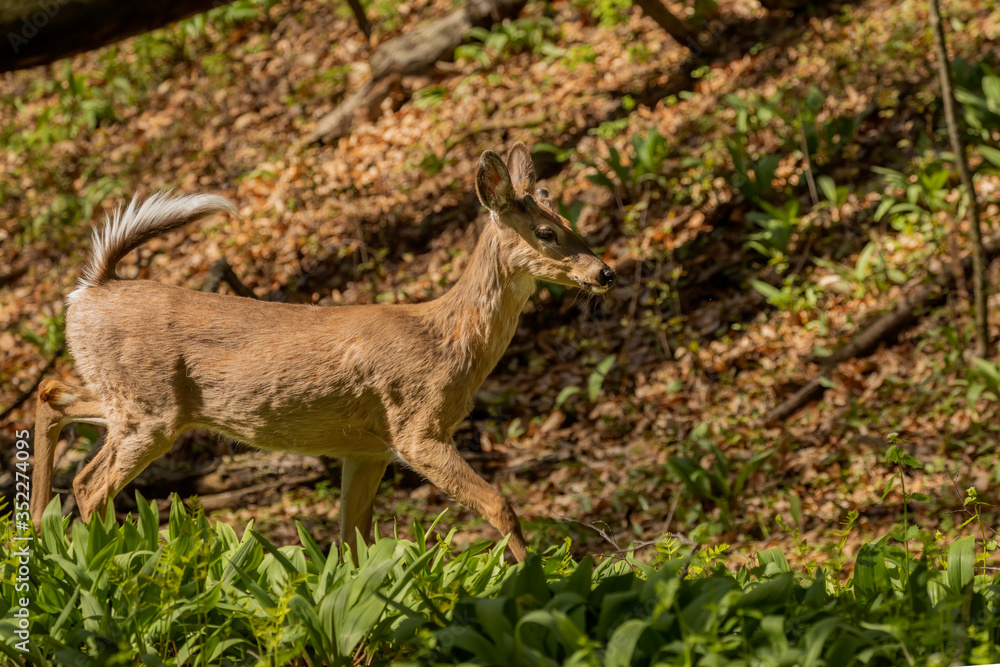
[58, 404]
[440, 462]
[358, 486]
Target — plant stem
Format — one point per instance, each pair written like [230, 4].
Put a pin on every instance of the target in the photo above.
[906, 524]
[958, 147]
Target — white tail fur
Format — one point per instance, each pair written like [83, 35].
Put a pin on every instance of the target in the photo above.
[136, 224]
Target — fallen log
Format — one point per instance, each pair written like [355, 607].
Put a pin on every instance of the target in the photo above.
[412, 53]
[884, 329]
[362, 106]
[675, 27]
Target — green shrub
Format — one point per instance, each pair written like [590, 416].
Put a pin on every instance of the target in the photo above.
[194, 593]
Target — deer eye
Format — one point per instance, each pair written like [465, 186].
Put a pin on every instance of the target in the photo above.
[545, 234]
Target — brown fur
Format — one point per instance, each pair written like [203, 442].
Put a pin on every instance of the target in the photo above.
[364, 383]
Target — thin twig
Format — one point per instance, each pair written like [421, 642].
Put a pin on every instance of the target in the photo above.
[687, 566]
[605, 534]
[965, 508]
[38, 380]
[670, 514]
[809, 172]
[980, 288]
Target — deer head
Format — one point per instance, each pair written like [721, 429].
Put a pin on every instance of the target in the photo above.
[542, 243]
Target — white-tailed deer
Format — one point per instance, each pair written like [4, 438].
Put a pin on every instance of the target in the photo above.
[368, 384]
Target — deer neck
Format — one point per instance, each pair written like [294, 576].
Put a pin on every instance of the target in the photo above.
[478, 316]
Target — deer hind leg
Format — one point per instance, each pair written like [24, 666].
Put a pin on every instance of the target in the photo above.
[441, 463]
[58, 405]
[129, 447]
[361, 477]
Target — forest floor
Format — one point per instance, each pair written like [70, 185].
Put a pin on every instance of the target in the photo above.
[672, 436]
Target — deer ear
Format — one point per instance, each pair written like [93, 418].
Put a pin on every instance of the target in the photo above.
[493, 184]
[522, 170]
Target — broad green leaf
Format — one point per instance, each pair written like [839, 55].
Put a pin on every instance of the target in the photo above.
[303, 609]
[883, 208]
[355, 607]
[149, 521]
[476, 644]
[77, 574]
[769, 292]
[975, 390]
[566, 394]
[991, 154]
[769, 593]
[870, 574]
[596, 379]
[815, 639]
[864, 261]
[828, 187]
[773, 560]
[53, 535]
[961, 563]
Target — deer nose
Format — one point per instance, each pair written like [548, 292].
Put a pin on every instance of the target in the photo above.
[606, 277]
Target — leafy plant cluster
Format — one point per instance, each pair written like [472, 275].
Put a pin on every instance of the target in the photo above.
[713, 478]
[914, 199]
[198, 594]
[625, 178]
[534, 34]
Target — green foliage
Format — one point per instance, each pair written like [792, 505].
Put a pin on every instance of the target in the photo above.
[826, 139]
[594, 383]
[197, 594]
[988, 546]
[836, 195]
[792, 121]
[897, 457]
[626, 178]
[53, 338]
[777, 228]
[227, 16]
[794, 295]
[66, 210]
[752, 176]
[983, 381]
[610, 129]
[533, 34]
[977, 89]
[608, 13]
[719, 483]
[923, 195]
[870, 271]
[327, 84]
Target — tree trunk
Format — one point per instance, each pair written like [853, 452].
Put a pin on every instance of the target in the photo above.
[359, 15]
[674, 27]
[38, 32]
[979, 287]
